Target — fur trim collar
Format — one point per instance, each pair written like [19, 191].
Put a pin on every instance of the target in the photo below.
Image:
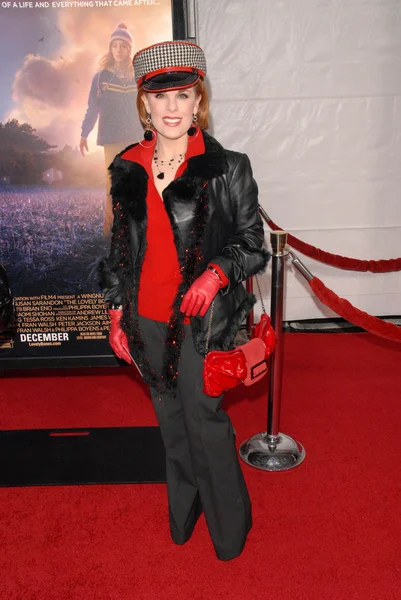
[212, 163]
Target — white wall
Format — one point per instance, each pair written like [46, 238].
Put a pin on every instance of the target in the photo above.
[311, 91]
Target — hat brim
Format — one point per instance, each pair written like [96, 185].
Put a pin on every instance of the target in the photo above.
[174, 80]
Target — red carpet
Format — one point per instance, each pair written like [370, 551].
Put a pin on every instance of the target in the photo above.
[329, 530]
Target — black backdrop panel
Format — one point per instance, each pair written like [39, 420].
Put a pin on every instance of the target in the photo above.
[82, 456]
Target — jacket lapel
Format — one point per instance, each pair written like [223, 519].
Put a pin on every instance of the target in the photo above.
[130, 186]
[187, 205]
[212, 163]
[130, 180]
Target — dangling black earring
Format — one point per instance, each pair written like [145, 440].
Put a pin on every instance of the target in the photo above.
[148, 135]
[192, 130]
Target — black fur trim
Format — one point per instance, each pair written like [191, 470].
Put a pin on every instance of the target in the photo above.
[212, 163]
[190, 267]
[129, 189]
[183, 189]
[129, 186]
[128, 175]
[266, 257]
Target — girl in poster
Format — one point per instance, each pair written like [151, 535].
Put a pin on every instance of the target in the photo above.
[112, 101]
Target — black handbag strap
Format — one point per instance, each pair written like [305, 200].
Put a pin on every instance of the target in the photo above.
[209, 327]
[260, 295]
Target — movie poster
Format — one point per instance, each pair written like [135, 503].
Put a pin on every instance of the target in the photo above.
[67, 107]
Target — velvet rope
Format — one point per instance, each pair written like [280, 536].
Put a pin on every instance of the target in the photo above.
[341, 262]
[358, 317]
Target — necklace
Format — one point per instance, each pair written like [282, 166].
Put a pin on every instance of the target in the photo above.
[161, 165]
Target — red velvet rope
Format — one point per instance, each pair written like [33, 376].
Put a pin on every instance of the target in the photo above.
[362, 319]
[341, 262]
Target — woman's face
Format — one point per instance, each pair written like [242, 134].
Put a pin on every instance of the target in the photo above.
[120, 51]
[171, 111]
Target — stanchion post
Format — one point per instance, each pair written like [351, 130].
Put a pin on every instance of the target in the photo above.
[278, 241]
[272, 450]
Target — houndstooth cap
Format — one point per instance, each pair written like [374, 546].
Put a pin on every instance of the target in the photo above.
[169, 66]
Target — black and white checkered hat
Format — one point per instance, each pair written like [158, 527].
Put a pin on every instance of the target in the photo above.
[169, 66]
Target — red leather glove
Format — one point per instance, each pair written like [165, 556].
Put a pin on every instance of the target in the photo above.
[117, 338]
[200, 295]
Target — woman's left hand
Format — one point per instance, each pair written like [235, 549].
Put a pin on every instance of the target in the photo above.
[200, 295]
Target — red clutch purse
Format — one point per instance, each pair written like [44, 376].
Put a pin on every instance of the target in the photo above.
[245, 364]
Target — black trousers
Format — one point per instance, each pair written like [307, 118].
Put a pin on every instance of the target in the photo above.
[203, 471]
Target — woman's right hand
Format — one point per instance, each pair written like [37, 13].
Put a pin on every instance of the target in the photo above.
[83, 146]
[117, 338]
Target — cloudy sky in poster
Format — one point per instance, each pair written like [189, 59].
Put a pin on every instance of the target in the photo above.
[49, 57]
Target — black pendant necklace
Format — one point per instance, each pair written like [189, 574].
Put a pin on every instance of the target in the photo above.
[173, 164]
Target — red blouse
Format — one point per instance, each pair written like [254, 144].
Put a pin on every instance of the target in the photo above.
[160, 275]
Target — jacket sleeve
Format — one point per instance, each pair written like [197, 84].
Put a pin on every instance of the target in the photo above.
[92, 112]
[111, 269]
[243, 256]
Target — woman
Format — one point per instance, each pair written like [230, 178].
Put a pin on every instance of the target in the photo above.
[112, 100]
[186, 232]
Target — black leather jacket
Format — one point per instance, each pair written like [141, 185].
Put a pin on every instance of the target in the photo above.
[213, 211]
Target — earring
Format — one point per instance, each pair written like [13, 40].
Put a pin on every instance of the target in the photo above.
[192, 130]
[148, 135]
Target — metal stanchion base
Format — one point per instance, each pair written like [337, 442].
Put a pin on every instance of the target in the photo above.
[272, 452]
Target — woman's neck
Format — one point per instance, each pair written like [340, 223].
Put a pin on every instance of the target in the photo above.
[168, 149]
